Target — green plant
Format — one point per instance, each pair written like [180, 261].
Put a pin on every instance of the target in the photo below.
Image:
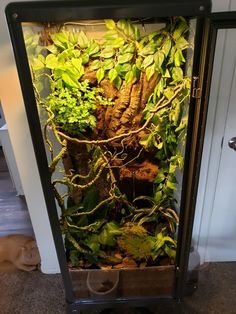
[142, 123]
[74, 107]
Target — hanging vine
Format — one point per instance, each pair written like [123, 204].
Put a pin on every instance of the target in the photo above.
[117, 107]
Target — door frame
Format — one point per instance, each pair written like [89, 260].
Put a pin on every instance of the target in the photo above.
[208, 180]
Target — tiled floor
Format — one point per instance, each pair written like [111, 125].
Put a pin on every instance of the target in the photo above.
[14, 216]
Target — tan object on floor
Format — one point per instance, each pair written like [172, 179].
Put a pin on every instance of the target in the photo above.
[18, 251]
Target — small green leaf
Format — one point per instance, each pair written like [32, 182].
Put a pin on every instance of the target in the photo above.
[182, 27]
[150, 71]
[129, 77]
[85, 58]
[96, 64]
[118, 42]
[166, 74]
[112, 75]
[107, 53]
[100, 74]
[136, 33]
[125, 58]
[83, 40]
[159, 58]
[93, 48]
[111, 35]
[178, 58]
[51, 61]
[118, 82]
[128, 48]
[166, 47]
[182, 43]
[147, 61]
[60, 40]
[77, 63]
[160, 177]
[171, 185]
[123, 24]
[73, 38]
[110, 24]
[158, 196]
[149, 49]
[177, 74]
[53, 49]
[136, 72]
[108, 64]
[69, 80]
[38, 64]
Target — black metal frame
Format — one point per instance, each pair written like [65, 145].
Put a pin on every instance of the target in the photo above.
[60, 11]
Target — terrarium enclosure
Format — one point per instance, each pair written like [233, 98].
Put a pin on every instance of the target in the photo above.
[110, 93]
[113, 99]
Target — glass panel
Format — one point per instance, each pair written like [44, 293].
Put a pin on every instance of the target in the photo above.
[113, 100]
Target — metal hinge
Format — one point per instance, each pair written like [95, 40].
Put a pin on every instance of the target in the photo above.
[196, 90]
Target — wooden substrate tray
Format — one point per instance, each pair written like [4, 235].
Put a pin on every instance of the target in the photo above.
[123, 283]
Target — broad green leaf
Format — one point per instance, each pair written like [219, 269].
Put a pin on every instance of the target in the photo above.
[153, 35]
[85, 58]
[149, 49]
[166, 47]
[177, 74]
[83, 40]
[122, 69]
[159, 88]
[160, 177]
[128, 48]
[107, 53]
[76, 53]
[123, 24]
[180, 29]
[147, 61]
[139, 62]
[69, 80]
[182, 43]
[166, 74]
[37, 64]
[130, 30]
[60, 40]
[136, 72]
[150, 71]
[108, 64]
[53, 49]
[169, 251]
[136, 33]
[96, 64]
[73, 38]
[110, 24]
[118, 82]
[112, 75]
[111, 35]
[93, 48]
[125, 58]
[51, 61]
[100, 74]
[129, 77]
[178, 58]
[159, 58]
[118, 42]
[77, 63]
[171, 185]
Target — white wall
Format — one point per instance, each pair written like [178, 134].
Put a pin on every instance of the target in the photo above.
[15, 116]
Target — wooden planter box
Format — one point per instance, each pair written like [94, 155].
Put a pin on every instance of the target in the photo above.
[147, 282]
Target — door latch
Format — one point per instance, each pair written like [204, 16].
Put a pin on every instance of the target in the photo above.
[196, 90]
